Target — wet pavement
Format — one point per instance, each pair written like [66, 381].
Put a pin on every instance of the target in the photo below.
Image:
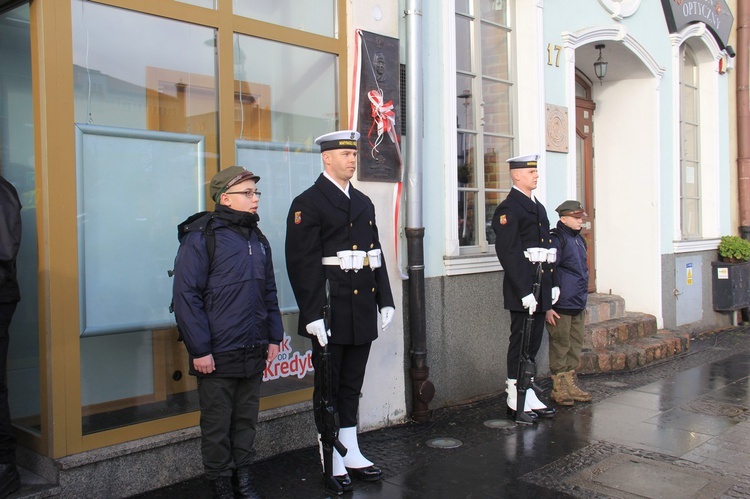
[677, 429]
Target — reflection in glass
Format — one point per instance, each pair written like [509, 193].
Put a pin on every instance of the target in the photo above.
[291, 91]
[495, 43]
[156, 77]
[495, 11]
[496, 151]
[467, 166]
[313, 16]
[497, 109]
[17, 167]
[484, 112]
[465, 103]
[467, 218]
[463, 44]
[690, 167]
[279, 118]
[464, 6]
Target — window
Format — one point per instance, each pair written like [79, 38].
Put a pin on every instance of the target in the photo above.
[17, 167]
[147, 113]
[484, 121]
[313, 16]
[690, 165]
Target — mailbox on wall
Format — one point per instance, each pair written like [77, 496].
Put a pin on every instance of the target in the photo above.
[731, 285]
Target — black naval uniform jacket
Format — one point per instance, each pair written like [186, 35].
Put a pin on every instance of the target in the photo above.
[520, 223]
[322, 221]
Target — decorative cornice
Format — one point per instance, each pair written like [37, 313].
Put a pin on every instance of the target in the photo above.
[620, 9]
[618, 33]
[697, 30]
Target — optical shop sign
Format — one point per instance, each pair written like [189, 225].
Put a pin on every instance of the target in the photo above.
[714, 13]
[288, 363]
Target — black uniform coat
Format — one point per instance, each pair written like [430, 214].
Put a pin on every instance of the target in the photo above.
[322, 221]
[520, 223]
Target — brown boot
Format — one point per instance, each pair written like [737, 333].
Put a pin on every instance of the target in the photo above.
[575, 392]
[560, 390]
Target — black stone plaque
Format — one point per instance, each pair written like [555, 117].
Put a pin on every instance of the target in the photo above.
[378, 109]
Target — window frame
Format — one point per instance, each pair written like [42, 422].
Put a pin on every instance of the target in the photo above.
[687, 54]
[478, 257]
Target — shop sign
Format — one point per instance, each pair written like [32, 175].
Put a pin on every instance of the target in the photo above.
[288, 362]
[715, 14]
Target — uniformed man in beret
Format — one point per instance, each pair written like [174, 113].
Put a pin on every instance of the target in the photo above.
[332, 236]
[520, 222]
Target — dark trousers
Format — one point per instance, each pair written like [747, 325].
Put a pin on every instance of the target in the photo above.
[229, 418]
[517, 320]
[348, 364]
[7, 441]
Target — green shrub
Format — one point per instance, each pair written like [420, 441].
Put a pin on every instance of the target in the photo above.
[734, 247]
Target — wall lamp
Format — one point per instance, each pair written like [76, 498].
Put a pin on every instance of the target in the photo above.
[600, 66]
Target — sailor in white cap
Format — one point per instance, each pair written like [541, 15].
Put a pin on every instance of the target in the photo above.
[520, 222]
[332, 237]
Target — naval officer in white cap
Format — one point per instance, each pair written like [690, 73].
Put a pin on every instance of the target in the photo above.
[332, 236]
[520, 222]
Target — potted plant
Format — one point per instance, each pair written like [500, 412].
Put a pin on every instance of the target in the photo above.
[734, 249]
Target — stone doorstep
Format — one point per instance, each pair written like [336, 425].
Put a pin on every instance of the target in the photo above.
[602, 307]
[619, 331]
[145, 464]
[635, 354]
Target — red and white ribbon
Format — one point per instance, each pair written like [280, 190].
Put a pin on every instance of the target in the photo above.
[383, 118]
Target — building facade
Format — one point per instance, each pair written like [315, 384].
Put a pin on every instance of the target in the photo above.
[115, 113]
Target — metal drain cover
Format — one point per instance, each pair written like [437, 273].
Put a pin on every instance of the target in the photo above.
[499, 423]
[444, 443]
[712, 408]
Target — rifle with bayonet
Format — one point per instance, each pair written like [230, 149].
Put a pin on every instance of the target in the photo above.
[328, 415]
[526, 366]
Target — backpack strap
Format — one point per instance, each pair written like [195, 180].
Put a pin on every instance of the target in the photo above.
[559, 237]
[203, 222]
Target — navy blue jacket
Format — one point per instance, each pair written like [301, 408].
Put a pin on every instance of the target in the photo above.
[233, 305]
[572, 271]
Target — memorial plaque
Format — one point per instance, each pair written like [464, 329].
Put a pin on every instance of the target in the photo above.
[378, 109]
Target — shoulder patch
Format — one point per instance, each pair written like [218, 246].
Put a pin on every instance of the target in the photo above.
[503, 219]
[297, 217]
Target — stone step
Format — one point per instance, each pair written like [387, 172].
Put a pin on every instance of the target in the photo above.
[603, 307]
[635, 353]
[631, 326]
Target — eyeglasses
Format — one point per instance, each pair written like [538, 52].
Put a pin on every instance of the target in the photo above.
[247, 194]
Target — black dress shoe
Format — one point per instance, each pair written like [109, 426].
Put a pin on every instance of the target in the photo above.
[369, 474]
[344, 481]
[546, 413]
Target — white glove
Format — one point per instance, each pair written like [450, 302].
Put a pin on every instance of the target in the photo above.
[529, 302]
[318, 329]
[555, 294]
[386, 316]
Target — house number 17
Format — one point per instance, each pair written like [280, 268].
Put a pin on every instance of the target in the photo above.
[557, 49]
